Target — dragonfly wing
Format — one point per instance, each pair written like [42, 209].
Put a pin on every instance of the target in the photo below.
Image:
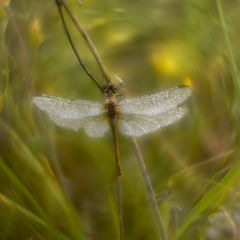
[96, 126]
[138, 125]
[155, 103]
[74, 114]
[74, 124]
[66, 108]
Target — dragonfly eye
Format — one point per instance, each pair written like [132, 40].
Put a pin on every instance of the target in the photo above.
[110, 89]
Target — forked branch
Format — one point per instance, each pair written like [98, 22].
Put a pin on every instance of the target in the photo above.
[74, 47]
[87, 39]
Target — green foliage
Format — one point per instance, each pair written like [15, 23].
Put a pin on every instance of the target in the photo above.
[58, 184]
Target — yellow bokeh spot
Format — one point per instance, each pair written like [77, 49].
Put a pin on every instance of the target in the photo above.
[116, 37]
[4, 3]
[173, 58]
[35, 32]
[94, 23]
[188, 82]
[49, 90]
[164, 63]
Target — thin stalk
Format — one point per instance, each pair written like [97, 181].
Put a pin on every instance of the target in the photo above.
[88, 40]
[234, 69]
[119, 179]
[73, 46]
[149, 188]
[120, 209]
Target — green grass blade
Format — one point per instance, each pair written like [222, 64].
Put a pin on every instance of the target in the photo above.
[54, 192]
[17, 184]
[4, 68]
[33, 219]
[211, 198]
[234, 69]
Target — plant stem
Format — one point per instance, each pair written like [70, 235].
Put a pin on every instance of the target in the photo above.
[119, 179]
[120, 209]
[149, 188]
[63, 3]
[73, 46]
[88, 40]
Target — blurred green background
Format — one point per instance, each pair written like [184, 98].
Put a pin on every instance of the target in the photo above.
[59, 184]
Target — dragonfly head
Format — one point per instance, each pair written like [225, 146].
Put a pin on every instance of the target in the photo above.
[110, 89]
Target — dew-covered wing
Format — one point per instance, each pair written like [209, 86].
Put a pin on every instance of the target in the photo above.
[94, 126]
[74, 114]
[154, 104]
[138, 125]
[67, 108]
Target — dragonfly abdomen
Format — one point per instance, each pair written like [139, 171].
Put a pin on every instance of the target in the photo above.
[111, 110]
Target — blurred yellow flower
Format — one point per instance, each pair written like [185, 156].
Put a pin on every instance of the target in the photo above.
[188, 82]
[164, 63]
[35, 32]
[4, 3]
[173, 58]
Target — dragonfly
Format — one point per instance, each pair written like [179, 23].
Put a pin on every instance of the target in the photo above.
[136, 116]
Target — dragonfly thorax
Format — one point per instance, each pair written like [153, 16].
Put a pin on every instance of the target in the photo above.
[109, 89]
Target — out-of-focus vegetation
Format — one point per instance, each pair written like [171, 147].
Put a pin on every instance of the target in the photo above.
[58, 184]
